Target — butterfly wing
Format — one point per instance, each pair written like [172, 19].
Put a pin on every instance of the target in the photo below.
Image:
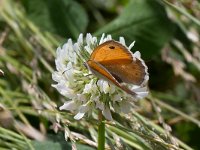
[100, 71]
[111, 52]
[119, 61]
[133, 72]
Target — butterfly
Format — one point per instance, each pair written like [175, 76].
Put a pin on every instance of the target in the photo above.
[113, 62]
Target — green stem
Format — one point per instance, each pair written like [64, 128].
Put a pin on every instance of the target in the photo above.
[101, 132]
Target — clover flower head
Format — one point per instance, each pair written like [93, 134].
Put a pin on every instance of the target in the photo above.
[85, 91]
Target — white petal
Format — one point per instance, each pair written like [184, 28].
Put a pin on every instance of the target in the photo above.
[69, 73]
[57, 76]
[107, 114]
[112, 88]
[109, 37]
[89, 87]
[58, 51]
[70, 44]
[61, 54]
[79, 116]
[80, 39]
[94, 40]
[71, 105]
[100, 84]
[100, 105]
[81, 97]
[76, 53]
[105, 87]
[116, 97]
[64, 90]
[122, 41]
[102, 39]
[139, 89]
[82, 110]
[137, 54]
[88, 49]
[131, 45]
[71, 53]
[142, 94]
[59, 65]
[95, 97]
[64, 53]
[88, 39]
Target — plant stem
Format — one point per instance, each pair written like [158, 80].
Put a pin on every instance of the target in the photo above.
[101, 132]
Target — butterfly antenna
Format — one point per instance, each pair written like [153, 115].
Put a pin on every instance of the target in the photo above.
[66, 70]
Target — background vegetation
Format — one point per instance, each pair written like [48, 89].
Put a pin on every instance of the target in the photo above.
[166, 33]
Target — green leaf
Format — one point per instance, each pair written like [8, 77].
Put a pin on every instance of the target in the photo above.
[64, 17]
[47, 145]
[144, 21]
[57, 142]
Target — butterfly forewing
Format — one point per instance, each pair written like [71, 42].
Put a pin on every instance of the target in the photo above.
[111, 51]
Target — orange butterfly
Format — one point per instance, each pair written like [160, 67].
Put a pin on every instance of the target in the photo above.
[115, 63]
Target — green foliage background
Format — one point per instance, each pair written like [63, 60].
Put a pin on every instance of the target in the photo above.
[166, 33]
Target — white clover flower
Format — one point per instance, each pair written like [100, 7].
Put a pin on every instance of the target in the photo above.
[86, 91]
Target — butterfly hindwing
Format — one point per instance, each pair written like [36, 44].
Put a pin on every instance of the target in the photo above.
[102, 72]
[133, 72]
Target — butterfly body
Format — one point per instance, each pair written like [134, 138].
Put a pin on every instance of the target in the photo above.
[115, 63]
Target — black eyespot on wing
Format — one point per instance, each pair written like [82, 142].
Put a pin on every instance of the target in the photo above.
[111, 47]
